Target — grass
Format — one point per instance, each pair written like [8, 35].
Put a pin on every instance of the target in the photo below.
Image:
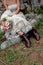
[38, 10]
[12, 55]
[1, 34]
[39, 23]
[34, 63]
[40, 32]
[39, 26]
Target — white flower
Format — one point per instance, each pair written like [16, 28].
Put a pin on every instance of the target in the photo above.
[7, 23]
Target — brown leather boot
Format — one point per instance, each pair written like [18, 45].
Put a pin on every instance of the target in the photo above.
[27, 41]
[35, 34]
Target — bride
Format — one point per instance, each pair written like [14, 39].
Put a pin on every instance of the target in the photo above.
[21, 27]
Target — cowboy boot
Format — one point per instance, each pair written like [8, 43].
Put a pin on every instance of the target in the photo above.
[27, 41]
[35, 34]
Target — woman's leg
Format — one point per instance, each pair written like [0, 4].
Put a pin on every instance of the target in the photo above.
[27, 41]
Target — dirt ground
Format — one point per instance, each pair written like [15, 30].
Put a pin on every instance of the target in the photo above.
[20, 55]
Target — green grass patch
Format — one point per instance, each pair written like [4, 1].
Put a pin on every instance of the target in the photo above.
[12, 55]
[34, 63]
[38, 10]
[39, 26]
[9, 56]
[39, 23]
[40, 31]
[1, 34]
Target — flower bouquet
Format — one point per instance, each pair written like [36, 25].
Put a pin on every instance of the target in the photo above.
[5, 25]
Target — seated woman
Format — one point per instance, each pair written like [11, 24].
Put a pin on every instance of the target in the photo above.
[20, 25]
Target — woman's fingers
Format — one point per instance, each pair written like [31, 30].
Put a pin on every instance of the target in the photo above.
[18, 10]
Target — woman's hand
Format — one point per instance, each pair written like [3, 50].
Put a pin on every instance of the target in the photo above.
[18, 10]
[18, 7]
[20, 33]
